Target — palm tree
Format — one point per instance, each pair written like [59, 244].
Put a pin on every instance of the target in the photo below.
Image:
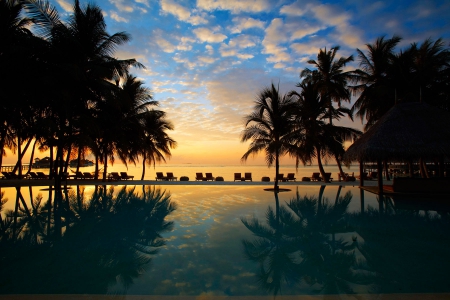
[155, 142]
[331, 81]
[314, 137]
[269, 127]
[329, 77]
[431, 62]
[83, 67]
[376, 94]
[15, 56]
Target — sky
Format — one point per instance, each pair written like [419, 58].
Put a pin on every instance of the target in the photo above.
[206, 60]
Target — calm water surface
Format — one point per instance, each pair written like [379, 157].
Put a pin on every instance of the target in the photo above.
[221, 241]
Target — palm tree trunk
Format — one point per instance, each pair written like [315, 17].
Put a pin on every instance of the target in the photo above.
[21, 154]
[50, 175]
[32, 156]
[143, 165]
[339, 166]
[66, 164]
[319, 162]
[277, 170]
[106, 165]
[79, 160]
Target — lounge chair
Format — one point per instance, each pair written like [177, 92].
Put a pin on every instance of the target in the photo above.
[373, 175]
[316, 177]
[160, 176]
[125, 176]
[365, 177]
[327, 177]
[10, 175]
[199, 176]
[41, 175]
[290, 176]
[248, 176]
[87, 175]
[79, 175]
[349, 177]
[237, 176]
[170, 177]
[33, 175]
[209, 176]
[280, 177]
[114, 176]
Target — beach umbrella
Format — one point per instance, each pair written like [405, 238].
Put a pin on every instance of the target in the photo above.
[407, 131]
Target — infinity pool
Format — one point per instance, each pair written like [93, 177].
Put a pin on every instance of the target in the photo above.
[211, 241]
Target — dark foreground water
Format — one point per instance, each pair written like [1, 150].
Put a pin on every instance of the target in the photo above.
[222, 241]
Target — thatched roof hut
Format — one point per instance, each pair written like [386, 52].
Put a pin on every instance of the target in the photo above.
[407, 131]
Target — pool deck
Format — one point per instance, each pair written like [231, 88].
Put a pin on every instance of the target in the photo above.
[70, 182]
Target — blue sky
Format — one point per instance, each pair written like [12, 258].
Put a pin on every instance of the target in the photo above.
[206, 59]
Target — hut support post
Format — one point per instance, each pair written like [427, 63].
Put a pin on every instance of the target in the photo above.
[386, 170]
[441, 166]
[361, 175]
[380, 177]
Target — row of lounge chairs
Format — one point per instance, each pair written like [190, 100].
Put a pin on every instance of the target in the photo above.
[77, 175]
[317, 177]
[208, 176]
[290, 177]
[160, 176]
[247, 176]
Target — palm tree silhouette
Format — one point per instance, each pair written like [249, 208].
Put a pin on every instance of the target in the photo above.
[375, 89]
[269, 127]
[314, 137]
[331, 82]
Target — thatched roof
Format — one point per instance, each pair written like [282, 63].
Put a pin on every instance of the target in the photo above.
[406, 131]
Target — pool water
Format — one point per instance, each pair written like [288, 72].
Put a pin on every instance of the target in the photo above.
[208, 241]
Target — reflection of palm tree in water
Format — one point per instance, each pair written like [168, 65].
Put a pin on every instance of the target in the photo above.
[106, 240]
[299, 242]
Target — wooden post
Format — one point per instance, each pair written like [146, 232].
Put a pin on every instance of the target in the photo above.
[361, 175]
[380, 177]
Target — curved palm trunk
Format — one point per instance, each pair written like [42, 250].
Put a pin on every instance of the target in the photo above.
[106, 166]
[277, 170]
[32, 156]
[143, 166]
[319, 162]
[338, 162]
[79, 160]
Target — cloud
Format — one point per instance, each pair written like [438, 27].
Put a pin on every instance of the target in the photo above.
[209, 49]
[234, 45]
[122, 5]
[275, 34]
[295, 9]
[185, 44]
[165, 45]
[181, 13]
[65, 5]
[113, 15]
[235, 6]
[246, 23]
[145, 2]
[206, 35]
